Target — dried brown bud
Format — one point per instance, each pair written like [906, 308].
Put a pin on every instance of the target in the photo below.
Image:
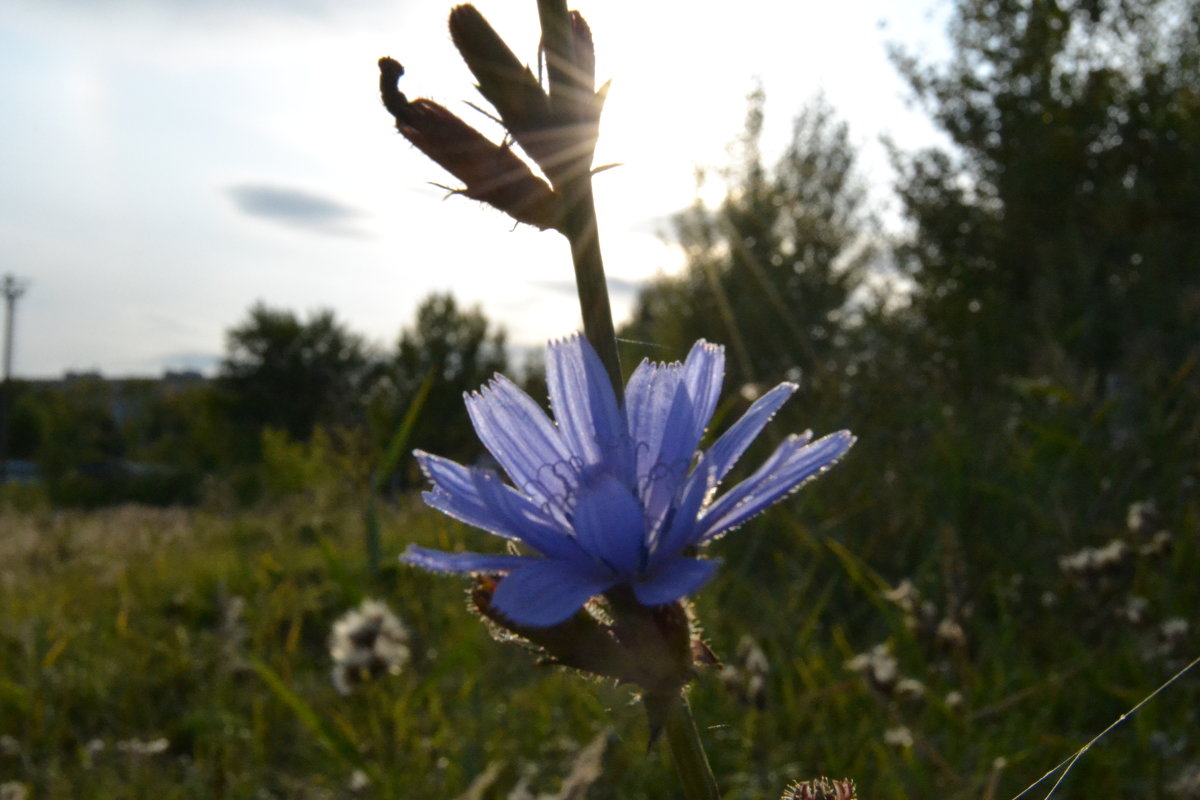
[503, 80]
[585, 52]
[492, 173]
[821, 789]
[583, 642]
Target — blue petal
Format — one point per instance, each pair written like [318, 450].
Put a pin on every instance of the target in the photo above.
[676, 449]
[544, 592]
[729, 448]
[477, 497]
[440, 561]
[669, 407]
[586, 409]
[682, 529]
[518, 433]
[703, 373]
[530, 525]
[790, 465]
[648, 400]
[610, 525]
[676, 578]
[661, 423]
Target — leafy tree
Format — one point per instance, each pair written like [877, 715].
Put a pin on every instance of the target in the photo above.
[461, 350]
[26, 421]
[283, 372]
[183, 426]
[79, 447]
[1061, 235]
[772, 271]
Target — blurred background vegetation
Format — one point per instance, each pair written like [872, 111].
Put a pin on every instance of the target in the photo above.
[996, 572]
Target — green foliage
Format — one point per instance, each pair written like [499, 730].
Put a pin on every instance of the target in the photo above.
[462, 351]
[772, 271]
[97, 442]
[209, 631]
[291, 394]
[1059, 236]
[291, 467]
[1037, 375]
[280, 371]
[1040, 376]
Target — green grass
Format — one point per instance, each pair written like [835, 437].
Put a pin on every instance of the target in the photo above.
[115, 627]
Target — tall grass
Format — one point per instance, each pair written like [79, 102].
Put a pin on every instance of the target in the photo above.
[207, 630]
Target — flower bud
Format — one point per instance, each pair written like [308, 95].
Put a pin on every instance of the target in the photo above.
[492, 173]
[585, 52]
[503, 81]
[821, 789]
[583, 642]
[651, 648]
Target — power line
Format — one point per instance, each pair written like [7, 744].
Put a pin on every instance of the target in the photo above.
[12, 289]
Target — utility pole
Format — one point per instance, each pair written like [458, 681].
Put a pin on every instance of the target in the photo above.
[12, 288]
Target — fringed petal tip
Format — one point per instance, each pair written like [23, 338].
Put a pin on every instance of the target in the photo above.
[487, 390]
[711, 348]
[844, 437]
[565, 341]
[794, 463]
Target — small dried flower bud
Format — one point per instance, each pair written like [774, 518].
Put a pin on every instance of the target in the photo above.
[493, 174]
[585, 52]
[582, 642]
[1143, 518]
[1159, 545]
[366, 643]
[144, 747]
[950, 634]
[504, 81]
[1172, 634]
[1186, 785]
[910, 689]
[1103, 569]
[879, 667]
[747, 677]
[1135, 610]
[900, 738]
[905, 596]
[821, 789]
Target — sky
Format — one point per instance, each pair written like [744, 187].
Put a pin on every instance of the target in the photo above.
[166, 164]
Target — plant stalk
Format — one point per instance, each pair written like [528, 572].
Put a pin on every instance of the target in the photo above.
[581, 231]
[572, 179]
[687, 752]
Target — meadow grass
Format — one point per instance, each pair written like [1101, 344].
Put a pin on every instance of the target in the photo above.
[184, 654]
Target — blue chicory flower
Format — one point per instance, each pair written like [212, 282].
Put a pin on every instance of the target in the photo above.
[609, 495]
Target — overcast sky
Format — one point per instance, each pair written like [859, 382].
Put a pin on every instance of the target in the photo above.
[166, 163]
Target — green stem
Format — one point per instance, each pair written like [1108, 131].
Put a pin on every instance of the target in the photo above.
[581, 231]
[691, 762]
[572, 103]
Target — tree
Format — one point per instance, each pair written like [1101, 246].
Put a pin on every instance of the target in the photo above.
[1061, 235]
[282, 372]
[772, 272]
[461, 350]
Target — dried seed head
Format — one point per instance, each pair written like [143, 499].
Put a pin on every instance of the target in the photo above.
[900, 738]
[1143, 518]
[878, 666]
[365, 644]
[491, 173]
[504, 81]
[821, 789]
